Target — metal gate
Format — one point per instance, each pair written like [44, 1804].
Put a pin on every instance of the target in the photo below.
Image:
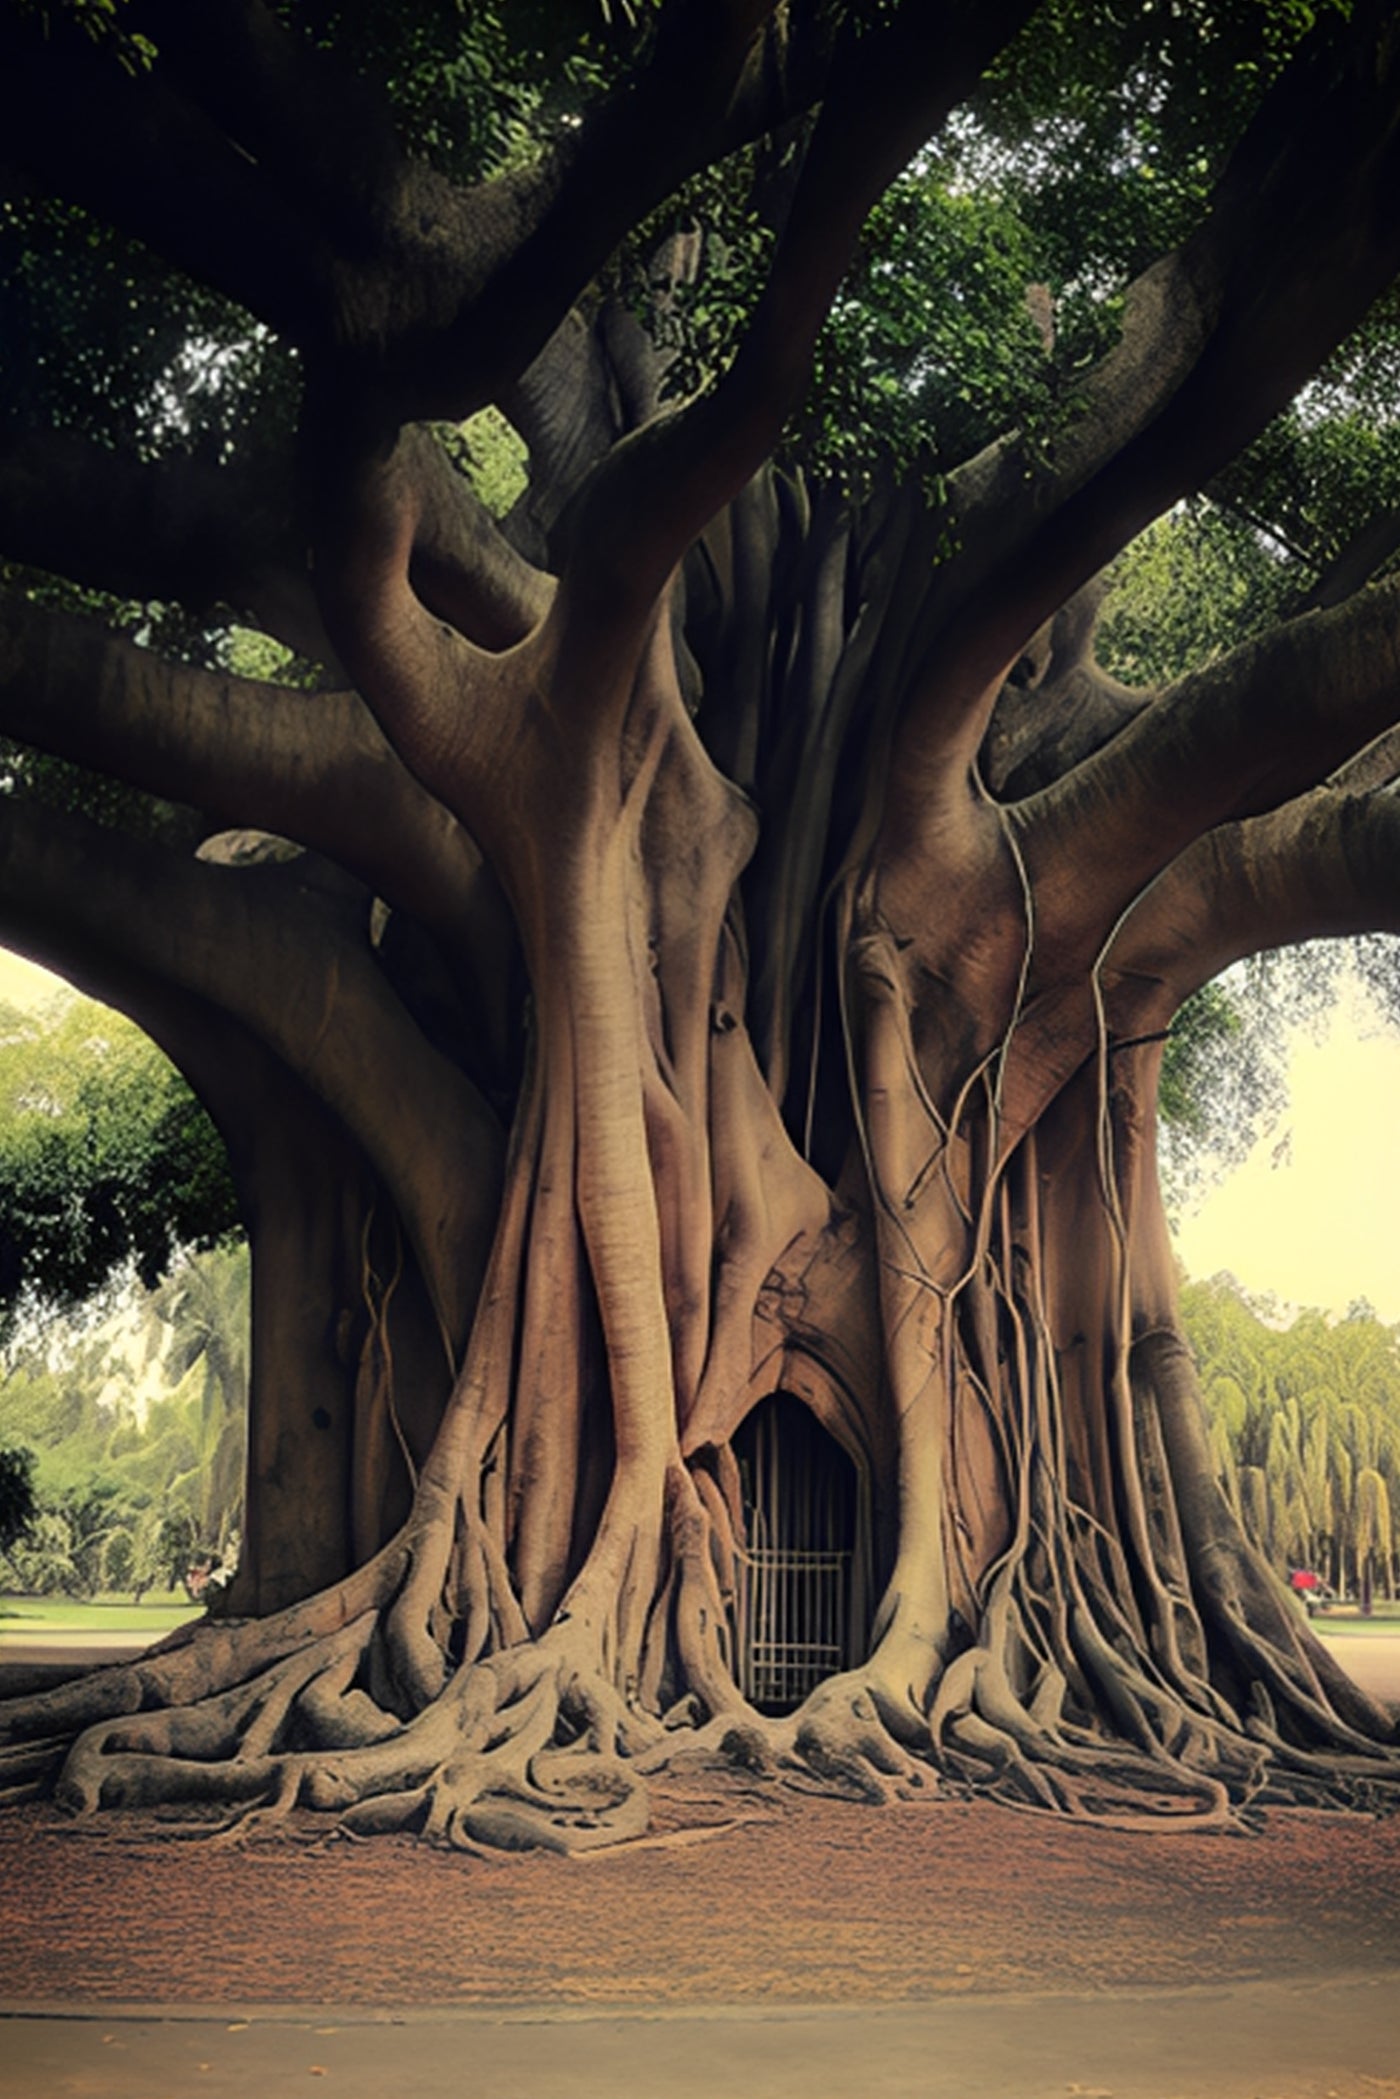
[795, 1608]
[794, 1589]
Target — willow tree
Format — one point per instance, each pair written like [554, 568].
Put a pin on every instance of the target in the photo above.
[713, 935]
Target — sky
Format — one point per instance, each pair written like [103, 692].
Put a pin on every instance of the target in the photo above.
[24, 983]
[1310, 1217]
[1311, 1214]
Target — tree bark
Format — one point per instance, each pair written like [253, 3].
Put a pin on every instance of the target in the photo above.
[749, 744]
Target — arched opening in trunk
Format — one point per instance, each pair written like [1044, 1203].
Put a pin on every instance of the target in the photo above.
[801, 1595]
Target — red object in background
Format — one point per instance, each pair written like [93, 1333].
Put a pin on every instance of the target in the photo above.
[1303, 1579]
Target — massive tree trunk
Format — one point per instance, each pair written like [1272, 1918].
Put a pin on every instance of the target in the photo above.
[812, 909]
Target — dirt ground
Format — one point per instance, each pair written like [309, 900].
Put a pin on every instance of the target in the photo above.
[811, 1901]
[774, 1906]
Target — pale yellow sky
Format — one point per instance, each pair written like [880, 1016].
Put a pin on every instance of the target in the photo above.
[24, 983]
[1313, 1214]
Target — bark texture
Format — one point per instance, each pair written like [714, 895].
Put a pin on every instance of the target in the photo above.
[720, 953]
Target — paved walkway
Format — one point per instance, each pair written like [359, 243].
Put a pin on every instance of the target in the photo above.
[1371, 1659]
[1255, 2041]
[84, 1650]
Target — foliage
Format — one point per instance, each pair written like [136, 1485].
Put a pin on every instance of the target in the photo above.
[1193, 585]
[1206, 1028]
[932, 337]
[135, 1427]
[195, 374]
[1305, 1429]
[18, 1506]
[1332, 460]
[105, 1156]
[102, 22]
[475, 87]
[490, 454]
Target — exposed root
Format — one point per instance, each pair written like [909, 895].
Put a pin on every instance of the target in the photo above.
[681, 1839]
[533, 1748]
[1082, 1633]
[523, 1750]
[200, 1663]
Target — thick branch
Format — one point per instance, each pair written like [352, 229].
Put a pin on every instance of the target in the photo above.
[1371, 548]
[704, 84]
[140, 154]
[1325, 866]
[1120, 838]
[436, 295]
[285, 964]
[1232, 740]
[462, 565]
[311, 767]
[1301, 237]
[596, 379]
[313, 125]
[455, 710]
[178, 529]
[891, 88]
[1058, 706]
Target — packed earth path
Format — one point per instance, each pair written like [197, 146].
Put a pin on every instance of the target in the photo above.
[796, 1901]
[755, 1919]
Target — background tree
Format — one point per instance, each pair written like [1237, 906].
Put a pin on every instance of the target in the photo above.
[107, 1164]
[130, 1399]
[1305, 1424]
[712, 933]
[134, 1429]
[18, 1507]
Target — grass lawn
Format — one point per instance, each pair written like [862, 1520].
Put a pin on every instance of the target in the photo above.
[157, 1613]
[1346, 1618]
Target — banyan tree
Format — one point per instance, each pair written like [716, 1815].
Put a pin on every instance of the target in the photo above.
[681, 968]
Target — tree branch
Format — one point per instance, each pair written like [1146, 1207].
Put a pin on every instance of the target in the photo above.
[287, 965]
[1325, 866]
[134, 149]
[1377, 542]
[312, 767]
[175, 529]
[890, 89]
[595, 380]
[315, 126]
[265, 172]
[452, 707]
[1058, 706]
[1229, 741]
[1301, 237]
[462, 566]
[545, 234]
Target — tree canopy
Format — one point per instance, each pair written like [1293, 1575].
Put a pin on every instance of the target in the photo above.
[106, 1160]
[1305, 1423]
[18, 1505]
[131, 1425]
[557, 661]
